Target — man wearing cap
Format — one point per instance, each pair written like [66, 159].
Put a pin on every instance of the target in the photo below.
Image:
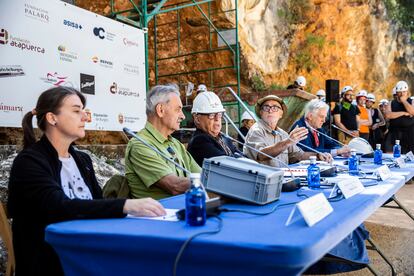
[375, 133]
[365, 120]
[267, 137]
[317, 138]
[299, 83]
[148, 173]
[401, 119]
[207, 141]
[346, 116]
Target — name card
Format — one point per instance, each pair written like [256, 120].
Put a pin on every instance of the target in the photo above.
[410, 156]
[312, 209]
[400, 162]
[349, 187]
[383, 172]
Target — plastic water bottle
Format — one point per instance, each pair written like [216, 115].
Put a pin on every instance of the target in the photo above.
[195, 202]
[314, 174]
[378, 155]
[397, 149]
[353, 163]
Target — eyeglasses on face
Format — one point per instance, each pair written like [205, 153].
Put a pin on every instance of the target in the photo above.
[273, 108]
[212, 116]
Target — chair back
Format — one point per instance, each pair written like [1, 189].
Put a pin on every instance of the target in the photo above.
[6, 235]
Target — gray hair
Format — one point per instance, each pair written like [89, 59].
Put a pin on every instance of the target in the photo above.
[160, 94]
[315, 105]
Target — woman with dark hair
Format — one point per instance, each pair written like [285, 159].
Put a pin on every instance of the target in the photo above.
[50, 181]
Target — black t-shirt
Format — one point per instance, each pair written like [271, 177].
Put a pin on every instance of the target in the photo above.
[348, 116]
[403, 121]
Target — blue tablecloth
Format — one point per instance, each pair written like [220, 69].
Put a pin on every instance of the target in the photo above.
[247, 244]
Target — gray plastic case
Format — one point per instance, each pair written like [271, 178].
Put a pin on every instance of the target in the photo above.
[242, 179]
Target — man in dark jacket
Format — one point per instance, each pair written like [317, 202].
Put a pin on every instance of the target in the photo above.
[207, 141]
[315, 115]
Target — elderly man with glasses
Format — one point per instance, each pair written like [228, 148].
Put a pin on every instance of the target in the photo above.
[267, 137]
[207, 141]
[147, 172]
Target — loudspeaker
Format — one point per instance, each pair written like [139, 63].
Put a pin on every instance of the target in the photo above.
[332, 91]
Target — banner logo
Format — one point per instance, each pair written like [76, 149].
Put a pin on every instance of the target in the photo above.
[72, 24]
[9, 108]
[36, 13]
[87, 84]
[21, 43]
[66, 55]
[56, 79]
[11, 71]
[122, 91]
[4, 36]
[129, 43]
[103, 34]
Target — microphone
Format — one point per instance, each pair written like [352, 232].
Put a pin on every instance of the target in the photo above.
[344, 131]
[169, 149]
[288, 186]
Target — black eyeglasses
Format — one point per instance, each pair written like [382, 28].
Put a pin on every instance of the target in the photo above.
[273, 108]
[212, 116]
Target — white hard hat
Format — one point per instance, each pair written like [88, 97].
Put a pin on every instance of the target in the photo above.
[346, 89]
[384, 101]
[401, 86]
[321, 92]
[247, 116]
[371, 97]
[207, 102]
[202, 88]
[362, 93]
[360, 145]
[301, 81]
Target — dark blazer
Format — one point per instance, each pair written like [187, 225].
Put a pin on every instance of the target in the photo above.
[203, 145]
[325, 144]
[36, 199]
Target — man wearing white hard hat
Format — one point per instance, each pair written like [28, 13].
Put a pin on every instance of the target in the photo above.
[201, 88]
[207, 141]
[365, 120]
[346, 115]
[375, 133]
[147, 172]
[321, 94]
[247, 120]
[401, 119]
[299, 83]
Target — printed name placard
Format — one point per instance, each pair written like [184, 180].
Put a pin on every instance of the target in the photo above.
[349, 187]
[383, 172]
[400, 162]
[312, 209]
[410, 156]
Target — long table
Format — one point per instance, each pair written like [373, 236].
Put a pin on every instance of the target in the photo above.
[246, 245]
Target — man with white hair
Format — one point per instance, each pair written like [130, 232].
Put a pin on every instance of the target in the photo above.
[401, 119]
[315, 115]
[148, 173]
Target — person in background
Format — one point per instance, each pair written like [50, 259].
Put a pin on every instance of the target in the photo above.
[267, 137]
[365, 120]
[346, 116]
[247, 121]
[384, 107]
[401, 119]
[299, 83]
[321, 94]
[148, 173]
[315, 115]
[51, 181]
[207, 140]
[375, 133]
[201, 88]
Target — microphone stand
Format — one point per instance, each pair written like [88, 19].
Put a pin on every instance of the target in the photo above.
[344, 131]
[130, 132]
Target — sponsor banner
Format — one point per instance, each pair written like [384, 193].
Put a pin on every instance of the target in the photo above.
[50, 43]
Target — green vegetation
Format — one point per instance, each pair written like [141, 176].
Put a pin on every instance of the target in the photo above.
[296, 11]
[258, 83]
[275, 86]
[402, 11]
[315, 40]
